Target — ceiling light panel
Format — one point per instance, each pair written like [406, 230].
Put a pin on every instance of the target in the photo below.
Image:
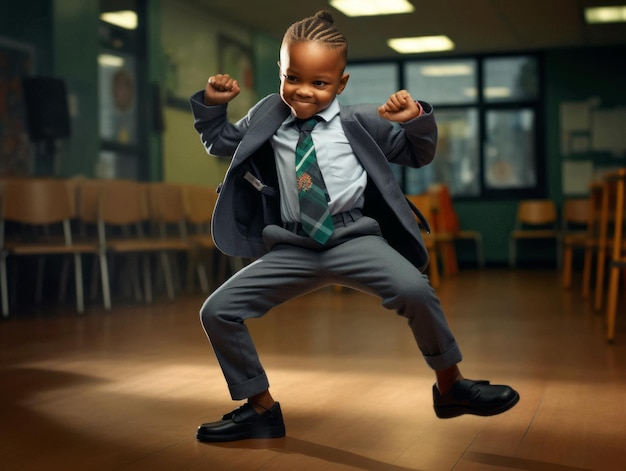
[372, 7]
[421, 44]
[615, 14]
[126, 19]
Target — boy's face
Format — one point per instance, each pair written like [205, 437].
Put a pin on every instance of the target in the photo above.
[311, 75]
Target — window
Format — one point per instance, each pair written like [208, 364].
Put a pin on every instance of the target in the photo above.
[122, 150]
[509, 153]
[443, 82]
[370, 83]
[487, 111]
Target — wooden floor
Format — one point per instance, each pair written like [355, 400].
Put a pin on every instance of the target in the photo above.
[126, 390]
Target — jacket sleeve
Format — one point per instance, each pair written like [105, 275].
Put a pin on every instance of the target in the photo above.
[219, 137]
[412, 143]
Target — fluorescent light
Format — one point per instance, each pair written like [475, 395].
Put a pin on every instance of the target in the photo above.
[109, 60]
[489, 92]
[372, 7]
[606, 14]
[497, 92]
[421, 44]
[446, 70]
[126, 19]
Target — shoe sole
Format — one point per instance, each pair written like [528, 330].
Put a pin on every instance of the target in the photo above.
[266, 432]
[456, 411]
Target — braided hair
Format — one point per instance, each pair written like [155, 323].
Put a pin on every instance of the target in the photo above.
[319, 27]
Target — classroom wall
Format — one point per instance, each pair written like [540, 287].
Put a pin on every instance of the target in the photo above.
[183, 51]
[190, 38]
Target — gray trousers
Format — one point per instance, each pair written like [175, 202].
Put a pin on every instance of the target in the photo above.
[356, 256]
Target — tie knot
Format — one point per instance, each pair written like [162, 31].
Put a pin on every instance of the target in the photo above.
[307, 125]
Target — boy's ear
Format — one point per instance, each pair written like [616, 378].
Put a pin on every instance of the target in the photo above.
[342, 83]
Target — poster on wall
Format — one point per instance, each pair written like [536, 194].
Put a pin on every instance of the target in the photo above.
[16, 152]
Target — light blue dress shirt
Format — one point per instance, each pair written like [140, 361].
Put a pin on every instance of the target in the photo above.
[344, 176]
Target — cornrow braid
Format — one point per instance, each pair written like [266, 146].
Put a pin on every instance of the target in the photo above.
[319, 27]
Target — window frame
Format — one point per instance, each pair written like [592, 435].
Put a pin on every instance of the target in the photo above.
[482, 107]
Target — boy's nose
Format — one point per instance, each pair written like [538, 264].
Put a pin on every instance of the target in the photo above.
[304, 90]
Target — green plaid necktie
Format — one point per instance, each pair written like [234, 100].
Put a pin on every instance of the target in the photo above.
[314, 213]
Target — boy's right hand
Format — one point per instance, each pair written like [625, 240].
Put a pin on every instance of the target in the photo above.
[220, 89]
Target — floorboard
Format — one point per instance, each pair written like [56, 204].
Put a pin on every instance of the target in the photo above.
[126, 390]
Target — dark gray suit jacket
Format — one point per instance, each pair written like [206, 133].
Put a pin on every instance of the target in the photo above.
[242, 211]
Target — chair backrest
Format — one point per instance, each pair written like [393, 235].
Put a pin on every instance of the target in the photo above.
[166, 202]
[88, 200]
[576, 213]
[36, 201]
[445, 217]
[199, 203]
[122, 202]
[536, 213]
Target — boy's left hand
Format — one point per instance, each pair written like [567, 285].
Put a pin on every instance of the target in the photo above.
[400, 107]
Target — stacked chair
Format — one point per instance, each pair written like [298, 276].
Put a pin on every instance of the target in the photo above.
[138, 234]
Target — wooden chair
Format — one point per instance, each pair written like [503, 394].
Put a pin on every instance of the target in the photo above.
[535, 220]
[121, 212]
[424, 203]
[592, 242]
[43, 208]
[448, 230]
[199, 204]
[576, 229]
[603, 244]
[167, 214]
[617, 181]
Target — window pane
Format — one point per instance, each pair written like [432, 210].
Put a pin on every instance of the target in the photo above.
[509, 150]
[118, 97]
[510, 79]
[370, 83]
[443, 82]
[457, 161]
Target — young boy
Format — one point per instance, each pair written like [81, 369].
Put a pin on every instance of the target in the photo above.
[359, 230]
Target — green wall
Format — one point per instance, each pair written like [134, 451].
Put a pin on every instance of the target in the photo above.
[64, 34]
[75, 51]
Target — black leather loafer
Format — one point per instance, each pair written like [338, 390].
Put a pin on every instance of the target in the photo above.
[474, 397]
[244, 423]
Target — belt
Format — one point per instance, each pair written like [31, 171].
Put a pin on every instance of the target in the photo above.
[339, 220]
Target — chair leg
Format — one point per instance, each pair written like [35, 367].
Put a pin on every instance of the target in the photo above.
[588, 262]
[167, 273]
[567, 267]
[202, 277]
[147, 278]
[4, 291]
[612, 303]
[93, 291]
[41, 265]
[104, 276]
[63, 280]
[78, 279]
[600, 266]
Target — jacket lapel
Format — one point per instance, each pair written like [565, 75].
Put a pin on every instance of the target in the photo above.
[263, 124]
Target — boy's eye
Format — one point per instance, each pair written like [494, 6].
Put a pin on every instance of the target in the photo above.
[319, 83]
[291, 78]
